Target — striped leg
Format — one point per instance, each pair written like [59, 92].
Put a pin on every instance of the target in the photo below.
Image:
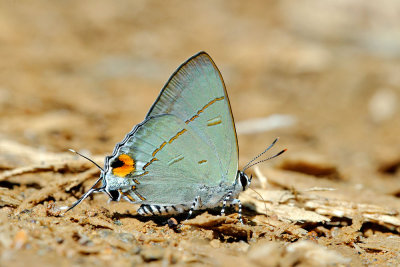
[234, 202]
[226, 199]
[237, 202]
[196, 202]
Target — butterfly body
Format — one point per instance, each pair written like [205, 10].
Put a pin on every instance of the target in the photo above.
[196, 196]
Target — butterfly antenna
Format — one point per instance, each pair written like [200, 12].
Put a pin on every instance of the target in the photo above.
[73, 151]
[82, 198]
[274, 156]
[91, 190]
[262, 153]
[265, 206]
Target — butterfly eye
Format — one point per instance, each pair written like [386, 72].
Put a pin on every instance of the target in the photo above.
[114, 195]
[243, 180]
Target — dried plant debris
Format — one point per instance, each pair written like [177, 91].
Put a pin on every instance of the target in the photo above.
[9, 198]
[54, 188]
[301, 253]
[316, 204]
[310, 164]
[15, 155]
[294, 219]
[224, 225]
[18, 159]
[275, 204]
[380, 242]
[33, 175]
[390, 167]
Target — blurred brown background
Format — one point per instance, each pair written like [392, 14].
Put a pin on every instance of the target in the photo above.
[81, 74]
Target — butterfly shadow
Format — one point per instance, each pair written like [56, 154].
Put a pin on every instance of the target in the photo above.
[162, 220]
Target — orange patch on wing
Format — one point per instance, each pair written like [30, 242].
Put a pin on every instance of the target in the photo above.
[158, 149]
[204, 108]
[127, 168]
[202, 161]
[176, 136]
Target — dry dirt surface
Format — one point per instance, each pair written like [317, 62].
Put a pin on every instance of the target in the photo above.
[322, 75]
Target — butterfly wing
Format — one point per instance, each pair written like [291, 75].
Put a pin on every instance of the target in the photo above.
[196, 94]
[187, 140]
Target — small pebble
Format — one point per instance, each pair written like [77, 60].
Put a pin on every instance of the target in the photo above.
[172, 223]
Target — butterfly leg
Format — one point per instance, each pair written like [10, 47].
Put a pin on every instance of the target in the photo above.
[237, 202]
[226, 199]
[233, 202]
[196, 204]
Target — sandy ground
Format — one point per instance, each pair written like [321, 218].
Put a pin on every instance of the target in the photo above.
[81, 74]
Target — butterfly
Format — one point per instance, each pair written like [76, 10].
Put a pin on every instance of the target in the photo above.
[184, 155]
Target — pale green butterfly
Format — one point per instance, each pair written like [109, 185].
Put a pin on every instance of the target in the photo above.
[184, 155]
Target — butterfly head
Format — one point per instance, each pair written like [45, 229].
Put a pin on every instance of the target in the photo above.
[243, 180]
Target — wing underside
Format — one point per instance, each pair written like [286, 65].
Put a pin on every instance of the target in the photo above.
[196, 92]
[187, 140]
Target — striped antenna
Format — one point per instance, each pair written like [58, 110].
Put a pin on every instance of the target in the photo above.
[91, 190]
[73, 151]
[251, 164]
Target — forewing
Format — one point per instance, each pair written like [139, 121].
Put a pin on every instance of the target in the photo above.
[196, 94]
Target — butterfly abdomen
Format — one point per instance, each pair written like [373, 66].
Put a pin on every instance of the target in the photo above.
[152, 210]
